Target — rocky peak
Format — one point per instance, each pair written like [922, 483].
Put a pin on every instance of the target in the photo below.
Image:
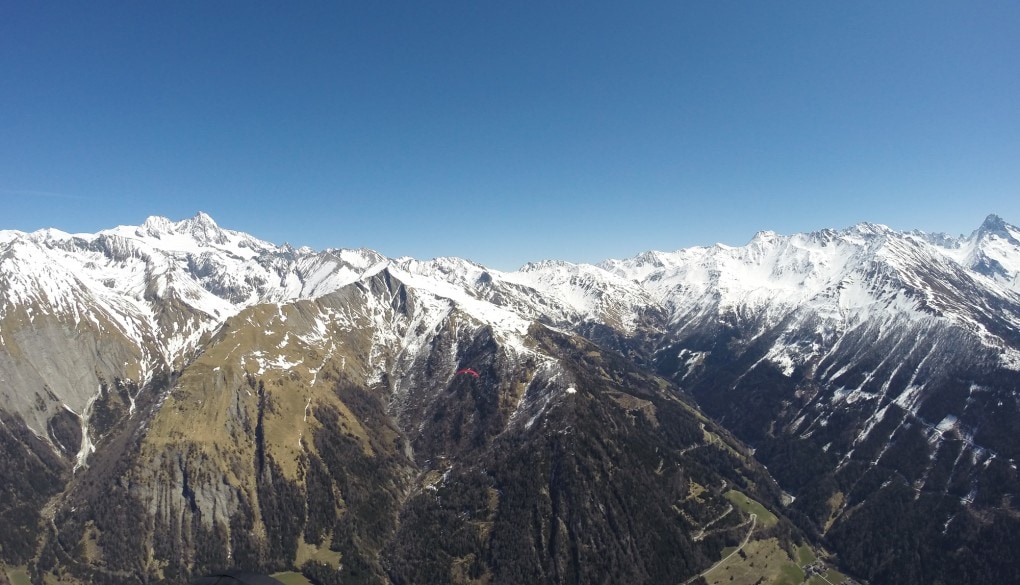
[203, 229]
[996, 226]
[157, 224]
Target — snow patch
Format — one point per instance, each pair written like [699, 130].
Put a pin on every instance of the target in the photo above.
[948, 423]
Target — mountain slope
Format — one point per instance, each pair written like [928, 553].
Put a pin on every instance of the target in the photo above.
[876, 373]
[181, 397]
[316, 432]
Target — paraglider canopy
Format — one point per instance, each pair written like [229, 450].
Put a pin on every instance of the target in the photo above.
[235, 578]
[467, 371]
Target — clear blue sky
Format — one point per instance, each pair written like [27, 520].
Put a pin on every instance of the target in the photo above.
[506, 132]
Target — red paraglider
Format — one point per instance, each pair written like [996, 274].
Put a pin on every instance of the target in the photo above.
[468, 371]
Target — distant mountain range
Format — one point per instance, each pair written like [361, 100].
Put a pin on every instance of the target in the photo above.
[177, 397]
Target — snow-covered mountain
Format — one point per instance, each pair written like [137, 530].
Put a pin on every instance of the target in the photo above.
[159, 290]
[887, 359]
[876, 372]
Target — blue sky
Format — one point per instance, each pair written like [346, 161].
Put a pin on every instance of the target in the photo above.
[506, 132]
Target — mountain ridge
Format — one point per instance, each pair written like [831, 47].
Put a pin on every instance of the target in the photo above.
[865, 349]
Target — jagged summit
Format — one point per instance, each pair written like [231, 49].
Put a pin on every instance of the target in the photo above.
[544, 264]
[992, 223]
[765, 235]
[203, 218]
[155, 224]
[995, 226]
[201, 228]
[204, 229]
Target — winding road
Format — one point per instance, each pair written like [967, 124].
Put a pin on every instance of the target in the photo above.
[747, 537]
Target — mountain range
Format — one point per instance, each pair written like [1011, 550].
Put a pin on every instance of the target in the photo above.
[177, 397]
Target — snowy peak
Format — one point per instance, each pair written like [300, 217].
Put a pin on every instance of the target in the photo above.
[203, 229]
[869, 229]
[765, 236]
[992, 250]
[586, 293]
[995, 226]
[155, 225]
[194, 235]
[864, 272]
[842, 275]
